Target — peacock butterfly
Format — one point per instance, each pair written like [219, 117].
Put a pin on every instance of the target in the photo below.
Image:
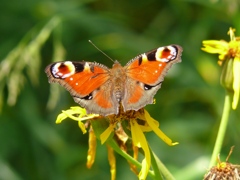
[102, 90]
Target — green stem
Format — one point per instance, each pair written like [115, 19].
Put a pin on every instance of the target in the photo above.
[222, 129]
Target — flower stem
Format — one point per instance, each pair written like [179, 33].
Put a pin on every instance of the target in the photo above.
[222, 129]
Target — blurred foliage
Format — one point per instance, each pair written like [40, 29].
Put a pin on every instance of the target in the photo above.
[188, 106]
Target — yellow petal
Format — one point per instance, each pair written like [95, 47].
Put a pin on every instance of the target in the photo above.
[135, 156]
[214, 46]
[215, 43]
[92, 141]
[214, 50]
[112, 162]
[135, 152]
[231, 33]
[60, 118]
[78, 114]
[147, 128]
[79, 110]
[69, 113]
[82, 127]
[236, 82]
[160, 134]
[75, 113]
[104, 136]
[139, 140]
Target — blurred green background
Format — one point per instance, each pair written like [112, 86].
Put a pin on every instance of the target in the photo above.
[188, 106]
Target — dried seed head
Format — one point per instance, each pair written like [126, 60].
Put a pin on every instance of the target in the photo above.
[223, 170]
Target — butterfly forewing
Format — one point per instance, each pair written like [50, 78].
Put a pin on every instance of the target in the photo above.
[86, 82]
[145, 74]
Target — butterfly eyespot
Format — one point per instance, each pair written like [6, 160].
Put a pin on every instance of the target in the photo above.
[166, 54]
[62, 70]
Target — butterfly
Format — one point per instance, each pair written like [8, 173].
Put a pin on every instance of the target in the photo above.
[101, 90]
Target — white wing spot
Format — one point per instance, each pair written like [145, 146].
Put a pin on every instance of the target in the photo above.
[76, 84]
[71, 79]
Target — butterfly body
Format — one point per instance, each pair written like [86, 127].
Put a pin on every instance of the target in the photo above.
[102, 90]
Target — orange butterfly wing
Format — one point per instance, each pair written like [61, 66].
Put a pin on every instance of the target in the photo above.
[145, 74]
[87, 82]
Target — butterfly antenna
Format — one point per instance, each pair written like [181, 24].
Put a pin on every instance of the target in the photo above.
[101, 50]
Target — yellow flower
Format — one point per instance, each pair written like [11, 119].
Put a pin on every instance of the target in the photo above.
[138, 122]
[229, 57]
